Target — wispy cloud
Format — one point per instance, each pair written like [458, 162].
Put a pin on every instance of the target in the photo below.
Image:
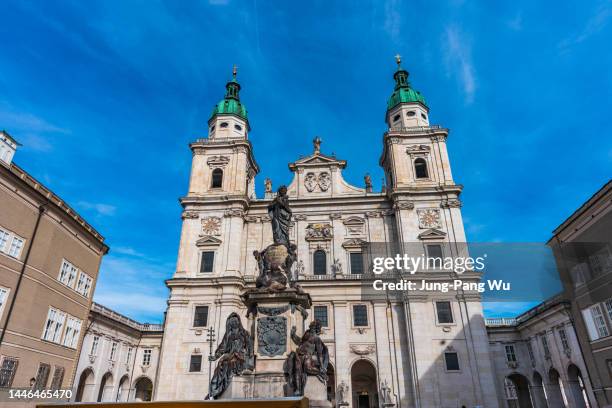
[392, 18]
[32, 131]
[133, 284]
[100, 208]
[458, 57]
[594, 25]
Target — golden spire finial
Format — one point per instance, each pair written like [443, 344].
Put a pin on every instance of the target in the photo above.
[235, 71]
[398, 59]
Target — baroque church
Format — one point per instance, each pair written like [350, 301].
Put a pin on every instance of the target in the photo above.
[420, 350]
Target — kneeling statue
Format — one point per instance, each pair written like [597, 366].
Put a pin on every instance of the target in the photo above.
[311, 358]
[235, 354]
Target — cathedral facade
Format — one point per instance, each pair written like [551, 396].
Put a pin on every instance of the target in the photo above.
[423, 350]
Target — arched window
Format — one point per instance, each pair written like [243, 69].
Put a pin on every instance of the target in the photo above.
[420, 168]
[320, 262]
[217, 178]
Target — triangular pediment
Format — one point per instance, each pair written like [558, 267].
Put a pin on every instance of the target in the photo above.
[354, 243]
[208, 241]
[432, 234]
[317, 159]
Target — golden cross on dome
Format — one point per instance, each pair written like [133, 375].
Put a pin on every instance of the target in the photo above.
[234, 70]
[398, 59]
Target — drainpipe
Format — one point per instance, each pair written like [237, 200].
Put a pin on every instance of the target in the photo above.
[41, 211]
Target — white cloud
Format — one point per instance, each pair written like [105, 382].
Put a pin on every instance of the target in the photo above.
[594, 25]
[392, 18]
[100, 208]
[459, 59]
[131, 303]
[127, 251]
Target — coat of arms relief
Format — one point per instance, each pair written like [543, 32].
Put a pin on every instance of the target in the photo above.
[429, 218]
[211, 226]
[322, 181]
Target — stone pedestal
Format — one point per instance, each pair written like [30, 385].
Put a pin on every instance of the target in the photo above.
[316, 392]
[272, 315]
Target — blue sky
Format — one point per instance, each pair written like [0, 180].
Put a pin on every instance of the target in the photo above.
[105, 97]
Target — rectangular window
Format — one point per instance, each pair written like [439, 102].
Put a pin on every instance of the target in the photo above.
[510, 355]
[16, 247]
[608, 309]
[113, 352]
[444, 312]
[7, 371]
[452, 361]
[563, 337]
[195, 364]
[54, 325]
[3, 299]
[68, 273]
[4, 238]
[434, 251]
[73, 330]
[42, 376]
[94, 346]
[84, 284]
[360, 315]
[356, 263]
[146, 357]
[208, 258]
[599, 321]
[128, 357]
[530, 351]
[200, 316]
[58, 378]
[320, 314]
[544, 341]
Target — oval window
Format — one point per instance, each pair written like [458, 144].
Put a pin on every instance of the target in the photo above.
[410, 113]
[237, 127]
[224, 124]
[423, 116]
[396, 118]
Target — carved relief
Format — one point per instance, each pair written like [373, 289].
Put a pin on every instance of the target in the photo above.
[404, 205]
[272, 335]
[250, 218]
[362, 349]
[217, 161]
[335, 216]
[211, 225]
[234, 212]
[452, 203]
[417, 149]
[354, 226]
[324, 181]
[300, 217]
[429, 218]
[189, 215]
[310, 182]
[318, 232]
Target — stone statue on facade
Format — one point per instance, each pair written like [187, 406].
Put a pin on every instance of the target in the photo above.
[341, 394]
[316, 143]
[310, 358]
[235, 355]
[268, 185]
[385, 391]
[368, 183]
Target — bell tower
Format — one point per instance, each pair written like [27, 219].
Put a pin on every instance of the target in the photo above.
[406, 107]
[223, 164]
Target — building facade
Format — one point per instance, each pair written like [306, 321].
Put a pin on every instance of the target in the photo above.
[430, 350]
[537, 359]
[49, 261]
[118, 362]
[583, 250]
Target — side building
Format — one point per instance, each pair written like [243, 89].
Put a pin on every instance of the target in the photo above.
[118, 361]
[49, 262]
[583, 250]
[537, 359]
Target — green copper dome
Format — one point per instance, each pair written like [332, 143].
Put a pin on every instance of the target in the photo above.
[403, 93]
[230, 104]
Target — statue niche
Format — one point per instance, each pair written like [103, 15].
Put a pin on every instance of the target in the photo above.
[310, 358]
[235, 354]
[276, 260]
